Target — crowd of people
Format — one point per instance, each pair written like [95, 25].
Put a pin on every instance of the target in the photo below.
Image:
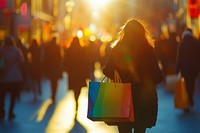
[134, 55]
[23, 68]
[179, 55]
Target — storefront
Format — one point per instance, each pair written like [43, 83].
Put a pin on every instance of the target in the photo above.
[6, 22]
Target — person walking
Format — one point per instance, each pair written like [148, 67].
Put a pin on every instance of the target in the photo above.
[24, 50]
[132, 55]
[35, 68]
[12, 78]
[188, 62]
[52, 65]
[76, 66]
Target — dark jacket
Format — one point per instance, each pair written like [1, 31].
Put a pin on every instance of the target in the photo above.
[188, 57]
[35, 63]
[13, 61]
[76, 65]
[52, 61]
[142, 71]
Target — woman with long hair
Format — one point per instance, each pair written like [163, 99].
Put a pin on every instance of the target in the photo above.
[133, 57]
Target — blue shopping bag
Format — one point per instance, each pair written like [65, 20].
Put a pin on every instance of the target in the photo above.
[92, 95]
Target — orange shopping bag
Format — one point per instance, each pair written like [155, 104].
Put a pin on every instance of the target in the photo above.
[181, 96]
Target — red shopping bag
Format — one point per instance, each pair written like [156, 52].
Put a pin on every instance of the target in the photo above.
[114, 102]
[181, 96]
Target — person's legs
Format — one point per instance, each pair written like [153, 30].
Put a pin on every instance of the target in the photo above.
[13, 89]
[38, 82]
[139, 129]
[76, 96]
[124, 128]
[190, 85]
[2, 99]
[11, 114]
[53, 88]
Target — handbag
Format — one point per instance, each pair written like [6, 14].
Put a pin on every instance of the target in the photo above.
[171, 81]
[113, 101]
[181, 97]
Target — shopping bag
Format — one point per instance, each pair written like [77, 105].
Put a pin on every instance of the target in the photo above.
[114, 102]
[181, 96]
[171, 81]
[92, 94]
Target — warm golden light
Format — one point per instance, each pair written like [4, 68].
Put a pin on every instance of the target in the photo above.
[93, 28]
[98, 72]
[41, 112]
[79, 33]
[96, 4]
[63, 117]
[92, 38]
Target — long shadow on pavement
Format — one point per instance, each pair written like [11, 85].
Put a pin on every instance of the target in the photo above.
[77, 128]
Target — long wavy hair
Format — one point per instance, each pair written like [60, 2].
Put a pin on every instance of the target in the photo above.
[134, 31]
[133, 42]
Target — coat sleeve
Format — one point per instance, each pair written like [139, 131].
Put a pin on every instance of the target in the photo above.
[108, 68]
[157, 74]
[149, 68]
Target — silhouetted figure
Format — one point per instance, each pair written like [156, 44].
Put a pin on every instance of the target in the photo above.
[188, 62]
[52, 65]
[11, 80]
[134, 59]
[76, 67]
[25, 65]
[35, 67]
[166, 51]
[172, 53]
[92, 55]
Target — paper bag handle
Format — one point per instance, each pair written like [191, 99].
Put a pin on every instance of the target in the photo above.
[117, 78]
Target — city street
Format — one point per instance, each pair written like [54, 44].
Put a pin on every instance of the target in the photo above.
[46, 37]
[43, 116]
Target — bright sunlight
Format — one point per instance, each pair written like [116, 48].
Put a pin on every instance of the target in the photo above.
[96, 4]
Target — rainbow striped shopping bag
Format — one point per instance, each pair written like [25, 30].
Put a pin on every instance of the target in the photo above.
[114, 103]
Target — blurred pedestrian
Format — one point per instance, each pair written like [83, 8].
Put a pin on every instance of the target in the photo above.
[52, 65]
[92, 54]
[24, 51]
[35, 67]
[188, 62]
[12, 78]
[76, 67]
[166, 50]
[134, 58]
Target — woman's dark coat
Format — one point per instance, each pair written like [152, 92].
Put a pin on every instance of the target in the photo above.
[147, 74]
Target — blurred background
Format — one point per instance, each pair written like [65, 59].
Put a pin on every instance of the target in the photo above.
[96, 19]
[94, 22]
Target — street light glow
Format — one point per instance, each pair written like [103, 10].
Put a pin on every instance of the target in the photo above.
[96, 4]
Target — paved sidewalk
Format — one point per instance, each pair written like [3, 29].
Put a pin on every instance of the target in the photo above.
[42, 116]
